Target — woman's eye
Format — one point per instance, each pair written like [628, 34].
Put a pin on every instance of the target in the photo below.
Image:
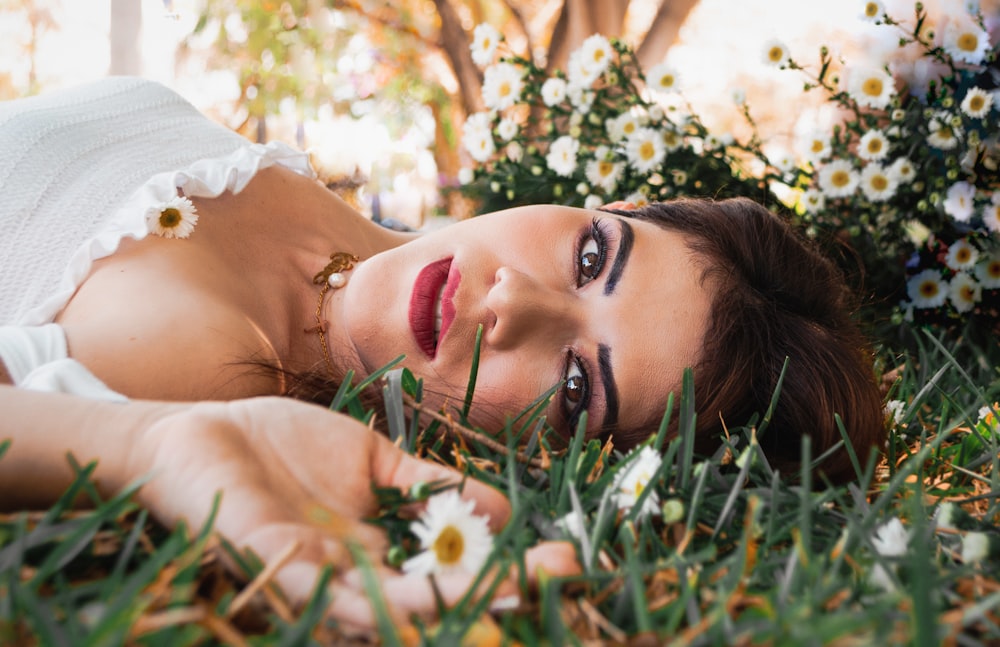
[575, 390]
[590, 260]
[590, 254]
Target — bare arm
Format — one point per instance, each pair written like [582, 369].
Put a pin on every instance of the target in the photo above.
[45, 427]
[290, 475]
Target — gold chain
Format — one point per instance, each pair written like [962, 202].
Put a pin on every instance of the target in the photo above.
[339, 262]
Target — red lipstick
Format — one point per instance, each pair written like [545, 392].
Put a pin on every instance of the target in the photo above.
[436, 281]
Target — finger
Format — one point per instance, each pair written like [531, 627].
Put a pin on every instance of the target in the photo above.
[392, 467]
[551, 559]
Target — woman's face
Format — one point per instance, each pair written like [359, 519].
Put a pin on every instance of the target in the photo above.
[611, 309]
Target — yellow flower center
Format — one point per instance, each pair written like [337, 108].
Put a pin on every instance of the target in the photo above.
[840, 178]
[968, 293]
[871, 9]
[993, 269]
[605, 168]
[775, 54]
[170, 218]
[976, 103]
[667, 81]
[929, 289]
[968, 42]
[629, 128]
[874, 146]
[486, 43]
[963, 255]
[817, 146]
[598, 55]
[647, 150]
[449, 545]
[872, 87]
[670, 139]
[880, 183]
[504, 89]
[944, 132]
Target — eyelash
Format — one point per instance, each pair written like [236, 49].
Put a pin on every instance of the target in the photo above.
[572, 410]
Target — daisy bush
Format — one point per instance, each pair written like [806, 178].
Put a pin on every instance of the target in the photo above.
[908, 177]
[602, 130]
[905, 178]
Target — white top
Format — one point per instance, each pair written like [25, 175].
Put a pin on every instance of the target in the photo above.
[79, 169]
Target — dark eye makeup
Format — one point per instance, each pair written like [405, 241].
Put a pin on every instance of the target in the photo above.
[590, 254]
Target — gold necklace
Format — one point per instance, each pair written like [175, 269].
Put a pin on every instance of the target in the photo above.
[330, 276]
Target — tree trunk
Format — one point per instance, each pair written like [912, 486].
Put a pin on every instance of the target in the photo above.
[455, 43]
[126, 36]
[663, 31]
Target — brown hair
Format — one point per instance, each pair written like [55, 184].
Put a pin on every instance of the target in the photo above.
[775, 297]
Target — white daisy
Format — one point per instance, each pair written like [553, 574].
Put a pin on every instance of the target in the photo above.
[515, 152]
[554, 91]
[502, 85]
[623, 125]
[963, 292]
[966, 41]
[873, 11]
[895, 409]
[958, 202]
[595, 55]
[975, 547]
[645, 150]
[485, 39]
[507, 129]
[902, 169]
[943, 133]
[873, 146]
[174, 218]
[593, 201]
[988, 271]
[477, 136]
[738, 95]
[991, 214]
[466, 175]
[672, 140]
[838, 179]
[712, 143]
[813, 200]
[581, 98]
[961, 255]
[637, 198]
[604, 173]
[891, 539]
[977, 103]
[873, 87]
[573, 525]
[453, 539]
[632, 478]
[781, 160]
[817, 146]
[775, 53]
[663, 78]
[877, 183]
[561, 157]
[927, 290]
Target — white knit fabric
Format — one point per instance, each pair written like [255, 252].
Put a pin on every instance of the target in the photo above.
[78, 168]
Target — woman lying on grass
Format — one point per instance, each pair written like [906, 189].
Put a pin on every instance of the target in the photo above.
[166, 276]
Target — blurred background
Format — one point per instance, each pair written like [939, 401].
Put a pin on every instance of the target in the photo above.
[378, 90]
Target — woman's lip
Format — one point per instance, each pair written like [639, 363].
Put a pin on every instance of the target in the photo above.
[426, 288]
[447, 302]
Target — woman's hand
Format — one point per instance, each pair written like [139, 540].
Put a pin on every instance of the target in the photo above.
[290, 473]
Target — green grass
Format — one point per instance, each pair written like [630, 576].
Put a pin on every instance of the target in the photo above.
[747, 557]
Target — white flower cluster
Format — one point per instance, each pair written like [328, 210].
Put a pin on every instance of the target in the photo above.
[631, 139]
[971, 273]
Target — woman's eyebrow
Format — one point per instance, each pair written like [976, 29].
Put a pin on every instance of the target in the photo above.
[625, 240]
[610, 388]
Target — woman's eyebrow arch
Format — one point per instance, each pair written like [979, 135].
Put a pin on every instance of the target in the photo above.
[625, 240]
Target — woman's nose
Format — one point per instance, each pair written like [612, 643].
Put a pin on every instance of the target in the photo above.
[524, 306]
